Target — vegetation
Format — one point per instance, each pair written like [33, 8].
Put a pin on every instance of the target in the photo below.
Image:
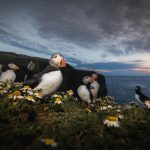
[62, 122]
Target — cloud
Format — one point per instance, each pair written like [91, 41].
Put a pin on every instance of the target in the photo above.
[85, 31]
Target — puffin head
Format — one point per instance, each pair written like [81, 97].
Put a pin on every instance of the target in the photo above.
[94, 77]
[87, 80]
[138, 89]
[57, 60]
[13, 66]
[31, 66]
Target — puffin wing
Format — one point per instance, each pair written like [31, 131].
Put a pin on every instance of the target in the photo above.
[144, 97]
[48, 69]
[36, 78]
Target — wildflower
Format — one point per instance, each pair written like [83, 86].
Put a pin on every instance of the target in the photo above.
[103, 103]
[30, 92]
[109, 106]
[18, 84]
[49, 142]
[17, 93]
[38, 95]
[119, 116]
[87, 110]
[111, 121]
[18, 97]
[58, 101]
[56, 96]
[3, 91]
[29, 98]
[25, 88]
[8, 86]
[118, 110]
[103, 108]
[70, 92]
[147, 104]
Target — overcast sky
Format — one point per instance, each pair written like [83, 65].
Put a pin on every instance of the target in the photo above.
[110, 36]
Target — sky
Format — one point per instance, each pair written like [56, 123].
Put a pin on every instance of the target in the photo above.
[111, 37]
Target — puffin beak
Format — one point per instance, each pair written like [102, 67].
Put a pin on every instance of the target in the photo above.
[62, 63]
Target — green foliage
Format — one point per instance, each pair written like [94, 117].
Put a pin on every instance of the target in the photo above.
[24, 124]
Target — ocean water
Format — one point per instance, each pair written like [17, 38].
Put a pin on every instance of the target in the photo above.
[122, 88]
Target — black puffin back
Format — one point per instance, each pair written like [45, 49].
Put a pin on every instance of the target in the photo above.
[69, 78]
[36, 78]
[142, 96]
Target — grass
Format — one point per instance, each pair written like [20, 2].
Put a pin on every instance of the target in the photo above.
[26, 125]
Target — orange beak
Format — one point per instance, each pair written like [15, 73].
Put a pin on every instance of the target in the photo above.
[63, 62]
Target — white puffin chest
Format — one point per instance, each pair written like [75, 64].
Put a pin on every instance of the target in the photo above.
[84, 93]
[50, 82]
[137, 97]
[8, 75]
[94, 87]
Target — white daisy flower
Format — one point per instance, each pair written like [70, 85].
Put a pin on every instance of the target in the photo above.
[30, 98]
[119, 116]
[147, 104]
[118, 110]
[38, 95]
[109, 106]
[58, 101]
[18, 97]
[111, 121]
[25, 88]
[87, 110]
[56, 96]
[3, 91]
[49, 142]
[70, 92]
[103, 108]
[30, 92]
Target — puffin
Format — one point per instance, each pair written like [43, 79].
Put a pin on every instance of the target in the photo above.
[84, 90]
[9, 75]
[30, 68]
[140, 97]
[50, 79]
[94, 86]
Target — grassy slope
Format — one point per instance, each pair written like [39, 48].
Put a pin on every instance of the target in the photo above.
[23, 124]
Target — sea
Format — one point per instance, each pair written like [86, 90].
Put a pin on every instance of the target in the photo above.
[122, 87]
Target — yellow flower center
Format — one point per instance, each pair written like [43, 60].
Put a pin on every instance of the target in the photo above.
[29, 97]
[16, 93]
[48, 141]
[58, 99]
[111, 118]
[26, 87]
